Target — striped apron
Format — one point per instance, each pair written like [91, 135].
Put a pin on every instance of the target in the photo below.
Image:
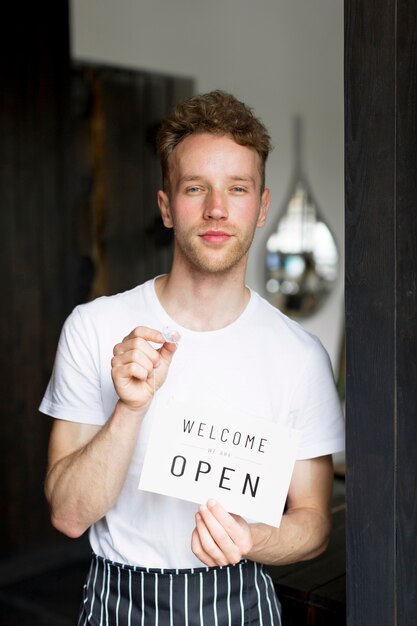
[124, 595]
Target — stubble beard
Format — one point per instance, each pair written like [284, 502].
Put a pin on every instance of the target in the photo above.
[212, 260]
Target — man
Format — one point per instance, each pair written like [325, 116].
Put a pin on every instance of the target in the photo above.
[158, 559]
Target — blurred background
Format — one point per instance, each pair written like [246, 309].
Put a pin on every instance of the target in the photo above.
[85, 85]
[282, 57]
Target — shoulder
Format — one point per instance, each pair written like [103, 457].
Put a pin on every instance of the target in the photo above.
[105, 306]
[114, 311]
[282, 332]
[108, 318]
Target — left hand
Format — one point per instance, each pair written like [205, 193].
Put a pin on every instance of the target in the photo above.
[219, 537]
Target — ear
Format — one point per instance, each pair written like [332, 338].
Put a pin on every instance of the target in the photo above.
[263, 209]
[163, 203]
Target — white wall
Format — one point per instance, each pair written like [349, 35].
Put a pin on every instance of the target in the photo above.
[282, 57]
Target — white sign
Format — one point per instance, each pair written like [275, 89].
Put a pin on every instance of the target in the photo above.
[197, 453]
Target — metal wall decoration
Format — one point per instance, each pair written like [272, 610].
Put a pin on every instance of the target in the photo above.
[301, 253]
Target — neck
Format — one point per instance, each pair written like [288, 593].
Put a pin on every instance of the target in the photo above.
[203, 302]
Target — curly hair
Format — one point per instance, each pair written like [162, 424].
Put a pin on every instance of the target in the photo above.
[216, 113]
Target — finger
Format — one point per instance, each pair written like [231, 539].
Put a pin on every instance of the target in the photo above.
[204, 546]
[235, 526]
[144, 332]
[231, 533]
[132, 343]
[215, 540]
[135, 348]
[198, 550]
[167, 351]
[217, 517]
[130, 370]
[149, 362]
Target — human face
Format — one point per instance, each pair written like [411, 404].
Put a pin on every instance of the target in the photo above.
[215, 202]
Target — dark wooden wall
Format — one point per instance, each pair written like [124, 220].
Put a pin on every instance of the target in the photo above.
[35, 256]
[78, 218]
[381, 307]
[115, 113]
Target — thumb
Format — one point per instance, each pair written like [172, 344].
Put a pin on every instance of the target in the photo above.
[167, 351]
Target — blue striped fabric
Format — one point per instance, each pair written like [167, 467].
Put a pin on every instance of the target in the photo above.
[123, 595]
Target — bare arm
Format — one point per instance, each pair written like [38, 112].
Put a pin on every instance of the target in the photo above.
[220, 538]
[87, 465]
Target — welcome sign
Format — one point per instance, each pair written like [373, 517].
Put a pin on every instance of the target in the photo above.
[197, 453]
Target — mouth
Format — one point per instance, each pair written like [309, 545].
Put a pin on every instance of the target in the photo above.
[215, 236]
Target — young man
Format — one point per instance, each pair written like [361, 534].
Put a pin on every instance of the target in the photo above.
[157, 559]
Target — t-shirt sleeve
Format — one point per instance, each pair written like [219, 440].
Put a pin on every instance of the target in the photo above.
[316, 408]
[74, 392]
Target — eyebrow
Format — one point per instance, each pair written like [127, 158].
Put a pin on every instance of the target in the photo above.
[191, 177]
[188, 178]
[249, 179]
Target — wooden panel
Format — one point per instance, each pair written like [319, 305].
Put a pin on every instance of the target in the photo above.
[370, 310]
[381, 287]
[33, 250]
[116, 154]
[59, 173]
[406, 307]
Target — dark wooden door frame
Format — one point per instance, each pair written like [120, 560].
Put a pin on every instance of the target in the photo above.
[381, 305]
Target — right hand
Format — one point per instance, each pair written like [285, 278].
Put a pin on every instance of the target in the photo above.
[138, 369]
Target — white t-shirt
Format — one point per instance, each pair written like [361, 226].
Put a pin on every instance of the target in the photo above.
[263, 365]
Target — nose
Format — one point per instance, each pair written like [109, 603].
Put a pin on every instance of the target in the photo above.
[215, 206]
